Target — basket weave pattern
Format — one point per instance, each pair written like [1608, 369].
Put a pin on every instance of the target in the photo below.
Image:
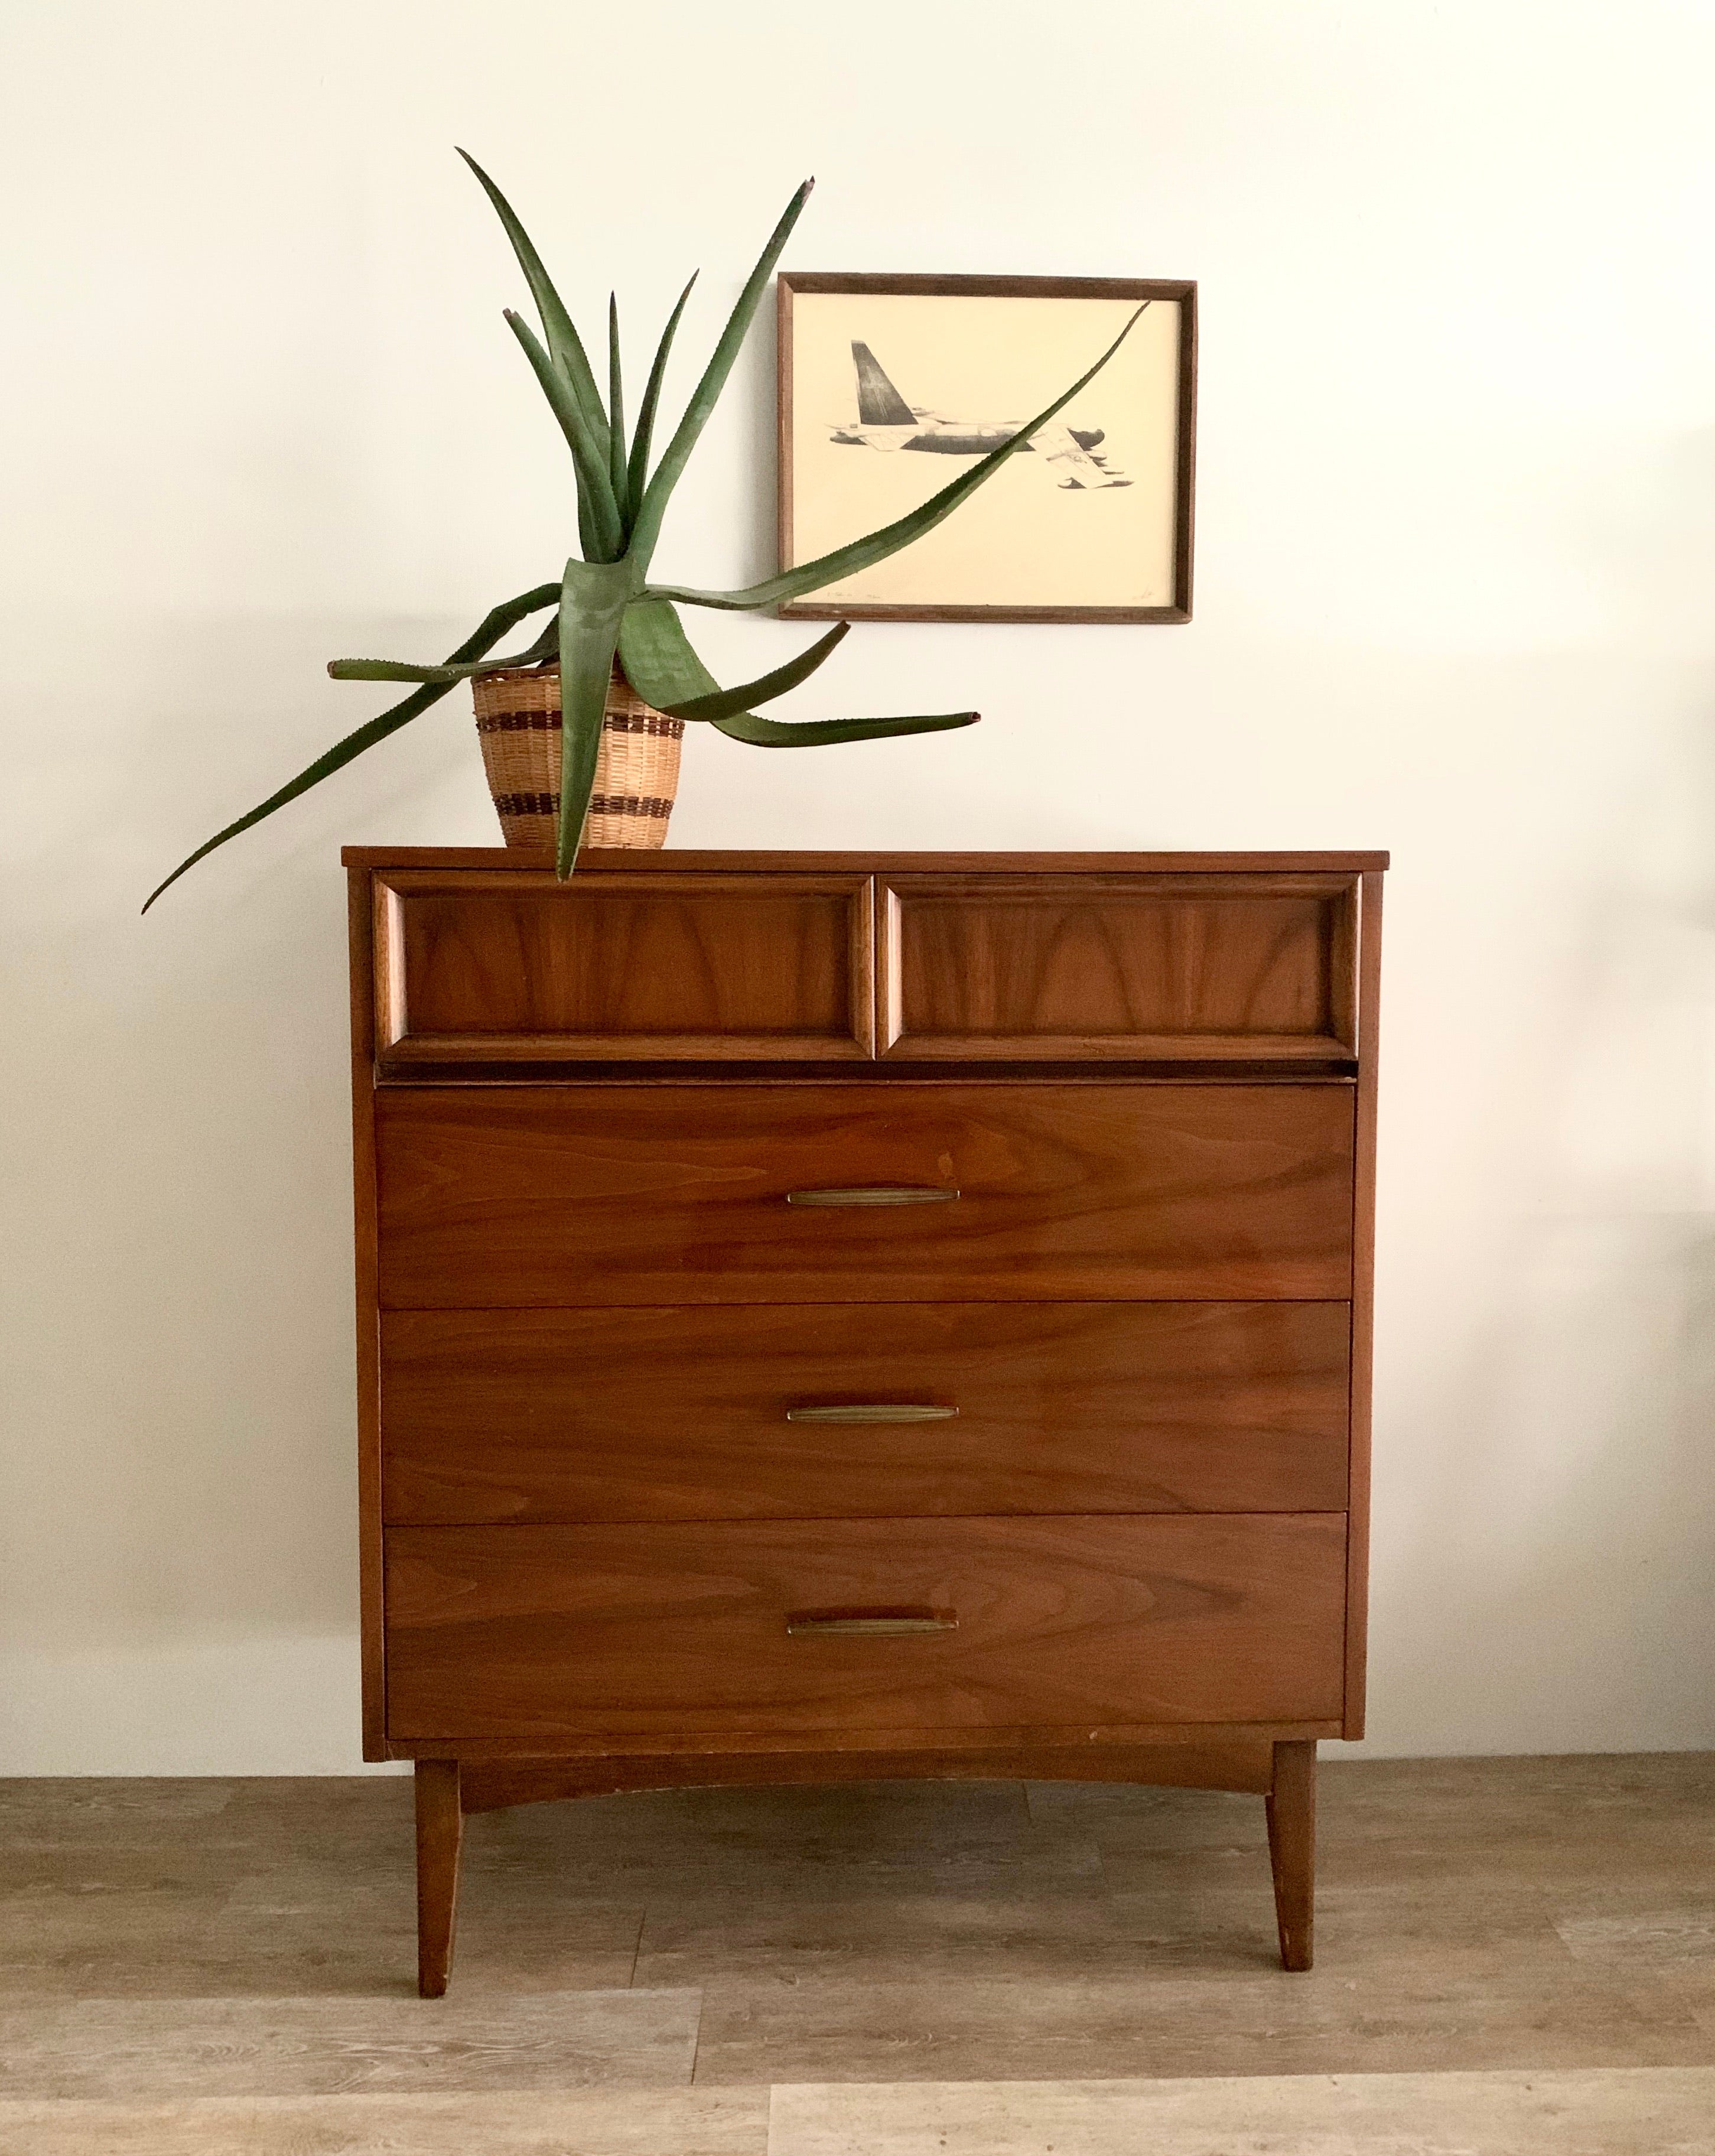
[637, 768]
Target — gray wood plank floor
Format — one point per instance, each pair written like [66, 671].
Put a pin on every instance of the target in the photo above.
[1515, 1948]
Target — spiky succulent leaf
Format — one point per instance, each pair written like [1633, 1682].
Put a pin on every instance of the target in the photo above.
[863, 553]
[749, 727]
[647, 526]
[546, 646]
[483, 639]
[618, 477]
[637, 476]
[402, 669]
[728, 703]
[593, 596]
[656, 654]
[601, 529]
[662, 667]
[564, 343]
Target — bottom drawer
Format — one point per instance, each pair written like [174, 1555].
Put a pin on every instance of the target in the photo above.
[870, 1626]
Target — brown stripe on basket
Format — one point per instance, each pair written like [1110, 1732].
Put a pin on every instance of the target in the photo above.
[548, 722]
[517, 722]
[600, 805]
[643, 723]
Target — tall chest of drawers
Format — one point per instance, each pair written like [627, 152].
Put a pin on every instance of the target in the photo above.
[826, 1316]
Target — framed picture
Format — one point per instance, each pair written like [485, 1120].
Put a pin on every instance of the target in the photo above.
[890, 386]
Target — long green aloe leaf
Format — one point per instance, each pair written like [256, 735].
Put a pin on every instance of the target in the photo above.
[594, 597]
[647, 528]
[618, 477]
[402, 669]
[546, 646]
[656, 654]
[727, 703]
[661, 666]
[557, 327]
[638, 474]
[492, 629]
[594, 484]
[863, 553]
[817, 733]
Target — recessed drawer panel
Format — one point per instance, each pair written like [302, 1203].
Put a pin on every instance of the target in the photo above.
[1119, 967]
[507, 967]
[803, 1412]
[862, 1627]
[527, 1196]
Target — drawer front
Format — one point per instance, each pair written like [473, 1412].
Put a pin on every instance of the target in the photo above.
[807, 1411]
[515, 967]
[668, 1632]
[1117, 967]
[570, 1196]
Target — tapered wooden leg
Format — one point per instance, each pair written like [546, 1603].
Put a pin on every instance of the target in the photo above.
[440, 1833]
[1291, 1851]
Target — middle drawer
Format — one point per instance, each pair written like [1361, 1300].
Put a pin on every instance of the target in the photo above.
[570, 1196]
[807, 1411]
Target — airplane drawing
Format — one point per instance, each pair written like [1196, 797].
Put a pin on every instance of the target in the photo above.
[886, 422]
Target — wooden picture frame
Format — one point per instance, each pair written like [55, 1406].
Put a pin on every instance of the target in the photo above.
[1142, 573]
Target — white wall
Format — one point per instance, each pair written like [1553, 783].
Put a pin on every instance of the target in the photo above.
[1456, 531]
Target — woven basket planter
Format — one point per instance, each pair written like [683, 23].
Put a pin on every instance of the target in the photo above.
[636, 773]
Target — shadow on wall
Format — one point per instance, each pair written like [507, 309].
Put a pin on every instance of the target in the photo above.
[1567, 1536]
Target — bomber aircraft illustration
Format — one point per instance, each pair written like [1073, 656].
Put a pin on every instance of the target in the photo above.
[886, 422]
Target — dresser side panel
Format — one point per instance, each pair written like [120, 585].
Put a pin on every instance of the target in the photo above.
[362, 926]
[1369, 976]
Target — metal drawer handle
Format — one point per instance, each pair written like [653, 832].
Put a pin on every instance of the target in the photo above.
[869, 1623]
[876, 1193]
[863, 1411]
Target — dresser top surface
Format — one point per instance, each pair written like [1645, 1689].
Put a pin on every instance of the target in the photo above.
[729, 860]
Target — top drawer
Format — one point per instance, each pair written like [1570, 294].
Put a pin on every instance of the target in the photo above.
[511, 966]
[510, 970]
[1111, 967]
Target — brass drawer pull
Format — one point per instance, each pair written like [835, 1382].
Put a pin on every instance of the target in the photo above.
[863, 1411]
[876, 1193]
[869, 1623]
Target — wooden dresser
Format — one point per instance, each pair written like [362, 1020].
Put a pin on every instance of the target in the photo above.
[827, 1315]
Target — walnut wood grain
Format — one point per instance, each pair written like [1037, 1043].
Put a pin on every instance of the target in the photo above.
[1159, 968]
[663, 1632]
[554, 1415]
[516, 966]
[582, 1196]
[1244, 1764]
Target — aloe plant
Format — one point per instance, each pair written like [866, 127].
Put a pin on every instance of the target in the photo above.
[602, 602]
